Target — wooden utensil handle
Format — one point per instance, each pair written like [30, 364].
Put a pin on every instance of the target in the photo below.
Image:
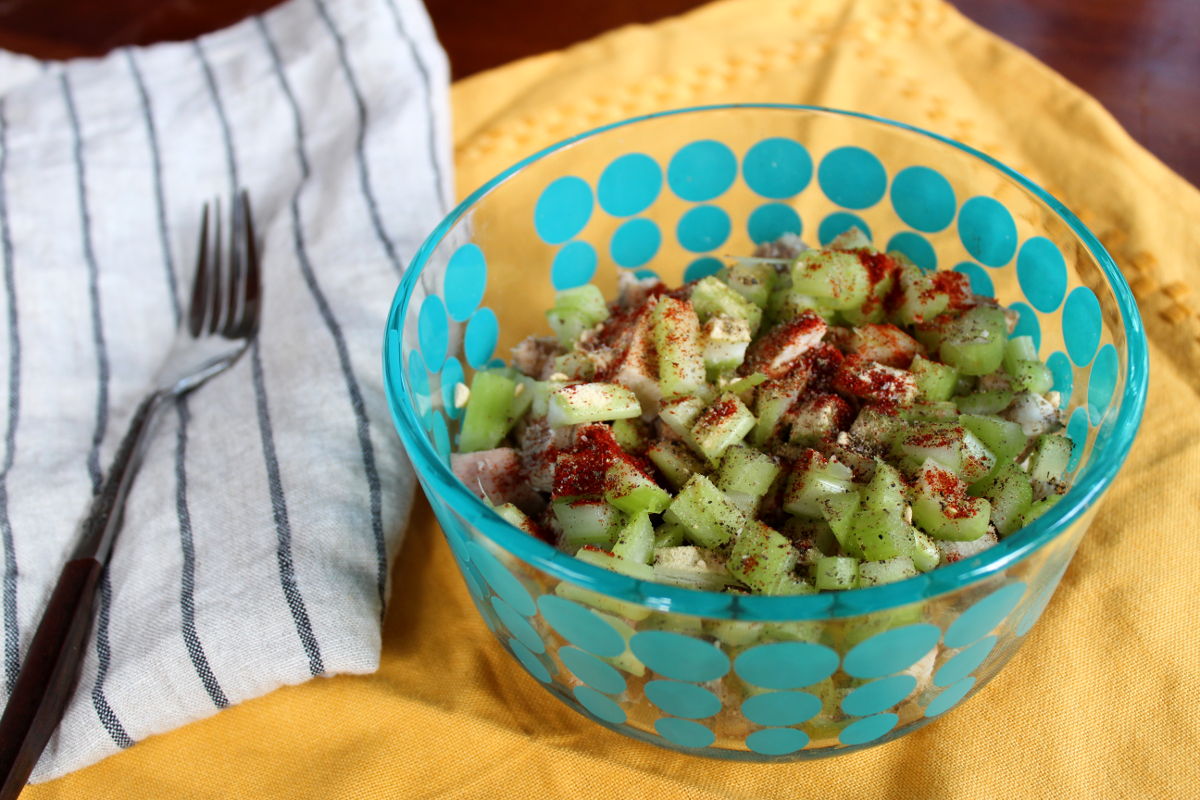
[47, 678]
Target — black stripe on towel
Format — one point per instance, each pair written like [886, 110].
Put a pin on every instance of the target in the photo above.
[362, 423]
[109, 719]
[283, 530]
[12, 631]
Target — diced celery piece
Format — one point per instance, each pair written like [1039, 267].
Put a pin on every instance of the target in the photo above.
[752, 281]
[746, 471]
[877, 573]
[985, 403]
[1051, 455]
[585, 522]
[680, 414]
[885, 492]
[839, 280]
[517, 518]
[691, 567]
[942, 508]
[522, 400]
[486, 419]
[627, 488]
[1010, 495]
[836, 573]
[602, 603]
[632, 434]
[1004, 439]
[591, 402]
[935, 381]
[920, 299]
[817, 416]
[676, 461]
[673, 622]
[944, 411]
[710, 518]
[668, 534]
[816, 531]
[953, 446]
[635, 539]
[541, 391]
[1032, 376]
[734, 632]
[724, 423]
[975, 342]
[815, 479]
[925, 555]
[723, 343]
[875, 426]
[575, 311]
[575, 365]
[787, 303]
[677, 341]
[745, 384]
[772, 402]
[761, 557]
[881, 534]
[1018, 349]
[711, 297]
[838, 510]
[599, 557]
[1038, 508]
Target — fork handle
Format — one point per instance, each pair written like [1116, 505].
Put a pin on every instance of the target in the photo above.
[47, 678]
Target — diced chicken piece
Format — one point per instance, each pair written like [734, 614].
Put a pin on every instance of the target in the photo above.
[497, 476]
[874, 382]
[841, 338]
[885, 344]
[994, 382]
[539, 446]
[957, 551]
[632, 291]
[786, 247]
[534, 356]
[776, 353]
[1034, 413]
[819, 415]
[638, 369]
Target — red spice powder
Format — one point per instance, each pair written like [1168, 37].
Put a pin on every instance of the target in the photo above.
[862, 378]
[956, 285]
[936, 437]
[579, 470]
[951, 493]
[769, 348]
[879, 265]
[823, 364]
[723, 409]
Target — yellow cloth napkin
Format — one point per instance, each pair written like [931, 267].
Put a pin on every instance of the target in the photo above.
[1101, 700]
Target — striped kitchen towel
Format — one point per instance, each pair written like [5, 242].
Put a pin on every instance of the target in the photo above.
[258, 535]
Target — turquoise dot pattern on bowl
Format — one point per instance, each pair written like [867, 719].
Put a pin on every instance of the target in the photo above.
[771, 220]
[683, 699]
[964, 662]
[982, 617]
[923, 199]
[629, 185]
[574, 265]
[1081, 325]
[1064, 375]
[949, 698]
[852, 177]
[702, 268]
[1102, 383]
[635, 243]
[563, 209]
[464, 282]
[786, 665]
[838, 223]
[777, 168]
[981, 282]
[703, 228]
[595, 673]
[702, 171]
[777, 741]
[684, 732]
[528, 660]
[878, 695]
[987, 230]
[433, 332]
[503, 582]
[603, 707]
[440, 434]
[581, 626]
[1042, 273]
[418, 381]
[680, 657]
[518, 626]
[868, 729]
[479, 341]
[781, 708]
[891, 651]
[916, 247]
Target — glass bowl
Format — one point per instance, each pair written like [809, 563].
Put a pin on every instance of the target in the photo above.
[757, 678]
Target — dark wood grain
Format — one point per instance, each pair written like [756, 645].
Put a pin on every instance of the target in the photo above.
[1140, 58]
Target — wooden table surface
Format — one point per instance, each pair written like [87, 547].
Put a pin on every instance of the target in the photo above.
[1140, 58]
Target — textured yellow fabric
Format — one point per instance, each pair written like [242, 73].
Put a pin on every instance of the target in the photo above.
[1101, 700]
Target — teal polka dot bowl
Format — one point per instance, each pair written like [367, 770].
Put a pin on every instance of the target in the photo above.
[757, 678]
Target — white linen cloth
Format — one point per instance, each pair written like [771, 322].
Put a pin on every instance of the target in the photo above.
[259, 532]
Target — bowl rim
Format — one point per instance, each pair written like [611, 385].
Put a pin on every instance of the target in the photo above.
[1113, 448]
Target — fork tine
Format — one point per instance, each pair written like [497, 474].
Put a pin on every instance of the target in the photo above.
[252, 291]
[216, 280]
[233, 289]
[198, 304]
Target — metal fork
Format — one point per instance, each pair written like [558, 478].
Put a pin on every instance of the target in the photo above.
[222, 320]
